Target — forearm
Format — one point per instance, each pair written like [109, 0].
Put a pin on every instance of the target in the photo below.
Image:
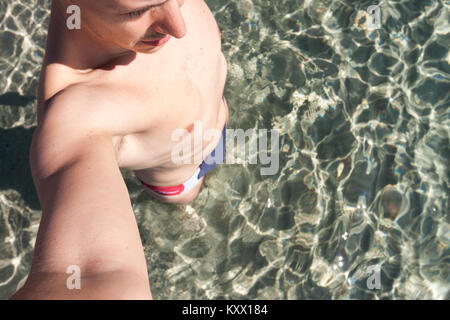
[102, 286]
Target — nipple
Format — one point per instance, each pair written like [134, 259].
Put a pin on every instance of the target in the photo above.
[190, 127]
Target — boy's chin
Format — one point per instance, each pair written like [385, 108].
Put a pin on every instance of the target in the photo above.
[147, 50]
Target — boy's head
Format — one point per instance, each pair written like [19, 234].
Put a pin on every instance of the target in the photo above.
[127, 23]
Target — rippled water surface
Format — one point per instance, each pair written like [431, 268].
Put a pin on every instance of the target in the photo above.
[364, 146]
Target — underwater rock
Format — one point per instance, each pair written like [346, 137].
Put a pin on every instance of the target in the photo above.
[391, 201]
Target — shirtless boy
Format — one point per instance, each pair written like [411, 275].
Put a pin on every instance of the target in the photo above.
[111, 95]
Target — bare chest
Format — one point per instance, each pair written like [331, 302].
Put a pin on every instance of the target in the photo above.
[161, 108]
[179, 88]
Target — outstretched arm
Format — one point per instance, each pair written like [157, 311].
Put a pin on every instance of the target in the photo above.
[87, 217]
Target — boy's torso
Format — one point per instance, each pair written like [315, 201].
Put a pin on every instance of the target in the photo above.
[142, 103]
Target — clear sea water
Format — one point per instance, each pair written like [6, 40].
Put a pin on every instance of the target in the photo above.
[362, 190]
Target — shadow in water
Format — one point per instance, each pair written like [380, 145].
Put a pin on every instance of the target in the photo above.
[14, 99]
[15, 170]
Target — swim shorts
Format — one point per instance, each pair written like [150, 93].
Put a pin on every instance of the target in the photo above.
[208, 164]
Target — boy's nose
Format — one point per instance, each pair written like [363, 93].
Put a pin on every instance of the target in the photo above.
[170, 20]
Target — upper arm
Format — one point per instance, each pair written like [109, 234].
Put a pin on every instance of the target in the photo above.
[87, 216]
